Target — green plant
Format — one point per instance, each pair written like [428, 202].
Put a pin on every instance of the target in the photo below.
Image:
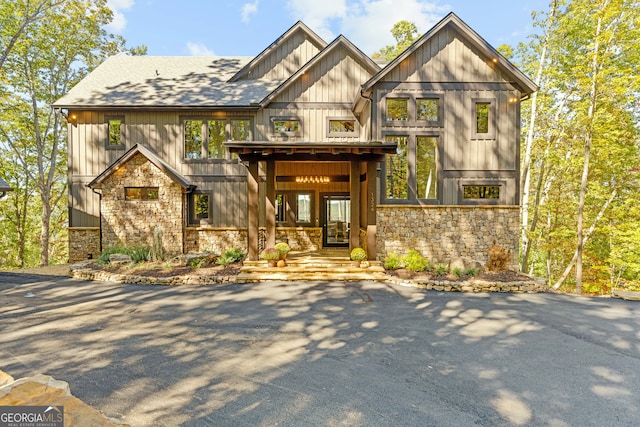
[137, 253]
[358, 254]
[393, 261]
[196, 262]
[234, 254]
[157, 253]
[441, 269]
[457, 271]
[282, 248]
[471, 272]
[270, 254]
[414, 261]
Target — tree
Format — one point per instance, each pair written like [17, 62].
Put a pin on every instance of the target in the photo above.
[54, 52]
[405, 33]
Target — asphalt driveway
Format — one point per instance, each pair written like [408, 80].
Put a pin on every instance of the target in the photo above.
[358, 354]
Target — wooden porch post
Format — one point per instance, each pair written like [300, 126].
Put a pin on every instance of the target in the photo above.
[354, 181]
[253, 178]
[372, 203]
[271, 204]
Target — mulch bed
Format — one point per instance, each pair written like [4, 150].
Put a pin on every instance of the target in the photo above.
[151, 269]
[498, 276]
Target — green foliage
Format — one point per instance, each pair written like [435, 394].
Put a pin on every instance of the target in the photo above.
[471, 272]
[282, 248]
[196, 262]
[414, 261]
[157, 252]
[358, 254]
[405, 33]
[441, 269]
[270, 254]
[230, 256]
[393, 261]
[458, 272]
[137, 253]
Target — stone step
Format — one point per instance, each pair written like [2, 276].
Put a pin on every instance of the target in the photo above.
[282, 275]
[291, 269]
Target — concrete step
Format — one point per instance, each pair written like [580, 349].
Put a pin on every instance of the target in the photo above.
[283, 275]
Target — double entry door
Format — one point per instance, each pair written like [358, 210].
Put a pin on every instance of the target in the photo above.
[335, 216]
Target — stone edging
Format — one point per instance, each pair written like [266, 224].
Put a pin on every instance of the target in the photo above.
[82, 271]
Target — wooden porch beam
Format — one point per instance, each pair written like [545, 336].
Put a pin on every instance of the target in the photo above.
[271, 204]
[253, 178]
[354, 195]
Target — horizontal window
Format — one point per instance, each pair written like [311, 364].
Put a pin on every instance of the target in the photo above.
[343, 127]
[423, 110]
[141, 193]
[481, 192]
[286, 126]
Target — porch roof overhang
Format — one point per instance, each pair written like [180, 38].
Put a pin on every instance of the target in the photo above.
[316, 151]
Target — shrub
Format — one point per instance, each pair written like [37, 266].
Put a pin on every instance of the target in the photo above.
[234, 254]
[414, 261]
[270, 254]
[498, 258]
[157, 253]
[137, 253]
[471, 272]
[196, 262]
[457, 271]
[393, 261]
[282, 248]
[358, 254]
[441, 269]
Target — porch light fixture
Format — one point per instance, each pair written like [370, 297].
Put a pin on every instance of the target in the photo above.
[312, 179]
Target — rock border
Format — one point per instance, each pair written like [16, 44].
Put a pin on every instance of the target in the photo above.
[82, 270]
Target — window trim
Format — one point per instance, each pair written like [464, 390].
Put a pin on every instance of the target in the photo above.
[193, 219]
[354, 134]
[108, 144]
[412, 110]
[491, 134]
[481, 182]
[290, 200]
[274, 119]
[205, 138]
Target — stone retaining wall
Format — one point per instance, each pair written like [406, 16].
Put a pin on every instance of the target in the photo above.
[84, 243]
[444, 233]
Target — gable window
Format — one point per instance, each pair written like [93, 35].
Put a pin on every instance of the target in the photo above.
[199, 208]
[397, 110]
[397, 169]
[204, 139]
[429, 110]
[286, 126]
[115, 128]
[427, 167]
[484, 119]
[342, 127]
[141, 193]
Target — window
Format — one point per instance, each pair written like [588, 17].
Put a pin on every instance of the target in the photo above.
[397, 109]
[286, 125]
[342, 127]
[204, 139]
[141, 193]
[427, 167]
[481, 192]
[199, 208]
[484, 119]
[396, 169]
[294, 208]
[429, 110]
[115, 128]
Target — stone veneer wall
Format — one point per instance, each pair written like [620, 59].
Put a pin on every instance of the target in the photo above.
[84, 243]
[131, 222]
[300, 238]
[216, 240]
[443, 233]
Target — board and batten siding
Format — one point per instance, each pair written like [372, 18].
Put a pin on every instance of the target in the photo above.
[448, 67]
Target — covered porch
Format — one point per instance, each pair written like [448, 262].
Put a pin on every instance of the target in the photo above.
[297, 185]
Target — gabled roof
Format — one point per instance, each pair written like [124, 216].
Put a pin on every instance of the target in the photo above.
[152, 157]
[4, 187]
[298, 26]
[516, 76]
[166, 82]
[340, 41]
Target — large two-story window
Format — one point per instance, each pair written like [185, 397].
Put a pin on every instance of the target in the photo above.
[412, 173]
[204, 138]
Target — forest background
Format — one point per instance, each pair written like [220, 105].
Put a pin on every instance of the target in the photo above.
[580, 163]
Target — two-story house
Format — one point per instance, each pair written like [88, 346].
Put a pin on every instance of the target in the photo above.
[308, 141]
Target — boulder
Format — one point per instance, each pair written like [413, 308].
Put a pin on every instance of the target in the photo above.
[120, 259]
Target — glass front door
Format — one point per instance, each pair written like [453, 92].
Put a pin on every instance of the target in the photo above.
[336, 215]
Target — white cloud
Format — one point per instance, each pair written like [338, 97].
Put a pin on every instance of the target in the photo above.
[249, 9]
[318, 15]
[367, 23]
[199, 49]
[119, 22]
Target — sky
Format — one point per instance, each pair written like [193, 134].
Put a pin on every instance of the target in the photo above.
[246, 27]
